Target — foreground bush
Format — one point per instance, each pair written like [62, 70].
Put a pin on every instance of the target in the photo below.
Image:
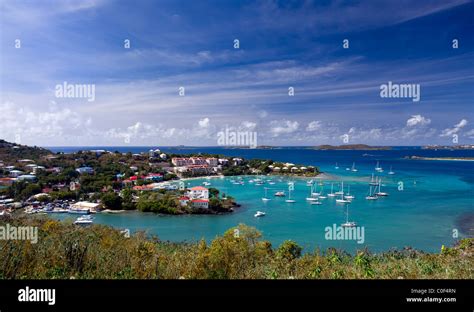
[65, 251]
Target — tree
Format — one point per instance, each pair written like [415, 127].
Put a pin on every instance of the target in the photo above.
[111, 201]
[213, 192]
[289, 250]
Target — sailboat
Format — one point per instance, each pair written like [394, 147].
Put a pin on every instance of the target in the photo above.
[321, 195]
[391, 172]
[353, 169]
[342, 200]
[266, 197]
[349, 196]
[371, 195]
[341, 190]
[336, 167]
[378, 168]
[379, 193]
[332, 194]
[290, 188]
[348, 223]
[311, 196]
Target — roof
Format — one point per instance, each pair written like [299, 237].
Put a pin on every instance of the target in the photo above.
[184, 198]
[198, 188]
[200, 200]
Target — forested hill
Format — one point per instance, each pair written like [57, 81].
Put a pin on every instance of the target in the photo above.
[11, 152]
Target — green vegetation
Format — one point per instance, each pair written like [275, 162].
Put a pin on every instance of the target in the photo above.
[99, 252]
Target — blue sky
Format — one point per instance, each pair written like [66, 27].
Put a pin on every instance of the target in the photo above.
[283, 44]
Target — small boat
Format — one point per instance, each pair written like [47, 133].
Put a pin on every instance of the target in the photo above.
[206, 183]
[378, 168]
[348, 223]
[259, 214]
[341, 190]
[280, 194]
[310, 182]
[311, 194]
[265, 198]
[332, 194]
[391, 172]
[380, 193]
[353, 169]
[84, 220]
[271, 183]
[316, 203]
[251, 181]
[342, 200]
[348, 196]
[336, 167]
[371, 195]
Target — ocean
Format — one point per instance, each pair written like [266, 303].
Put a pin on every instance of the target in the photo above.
[430, 203]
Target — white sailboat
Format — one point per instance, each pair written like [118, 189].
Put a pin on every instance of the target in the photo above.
[311, 196]
[391, 172]
[332, 194]
[348, 223]
[353, 169]
[265, 198]
[341, 189]
[349, 196]
[342, 200]
[321, 194]
[378, 168]
[380, 193]
[371, 195]
[259, 214]
[336, 167]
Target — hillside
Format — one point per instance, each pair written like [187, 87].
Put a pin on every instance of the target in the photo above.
[11, 152]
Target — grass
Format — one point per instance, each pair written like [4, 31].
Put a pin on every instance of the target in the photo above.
[65, 251]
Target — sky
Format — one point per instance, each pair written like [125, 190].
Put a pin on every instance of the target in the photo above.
[291, 79]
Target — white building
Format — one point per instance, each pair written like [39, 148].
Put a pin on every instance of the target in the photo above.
[198, 192]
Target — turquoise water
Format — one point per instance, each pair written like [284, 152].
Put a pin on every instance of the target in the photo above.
[436, 195]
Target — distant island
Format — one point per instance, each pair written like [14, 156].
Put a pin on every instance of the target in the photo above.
[448, 147]
[440, 158]
[362, 147]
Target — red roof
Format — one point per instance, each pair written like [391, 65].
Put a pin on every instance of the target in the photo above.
[133, 178]
[199, 188]
[200, 200]
[184, 198]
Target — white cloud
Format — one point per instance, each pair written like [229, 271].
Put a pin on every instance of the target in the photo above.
[418, 120]
[457, 127]
[314, 125]
[204, 123]
[283, 127]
